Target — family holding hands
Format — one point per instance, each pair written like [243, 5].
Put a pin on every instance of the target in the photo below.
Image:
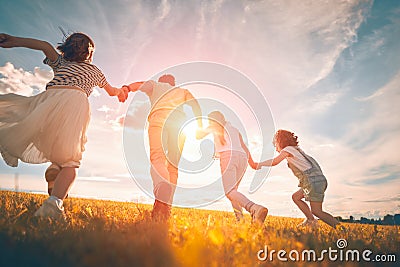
[51, 127]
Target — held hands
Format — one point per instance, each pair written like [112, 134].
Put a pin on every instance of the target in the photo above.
[259, 165]
[255, 165]
[125, 89]
[123, 93]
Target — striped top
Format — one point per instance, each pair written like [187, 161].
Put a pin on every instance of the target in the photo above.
[79, 74]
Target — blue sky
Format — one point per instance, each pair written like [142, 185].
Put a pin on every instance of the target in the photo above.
[330, 72]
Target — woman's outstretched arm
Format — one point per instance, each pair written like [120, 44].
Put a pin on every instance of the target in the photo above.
[194, 104]
[9, 41]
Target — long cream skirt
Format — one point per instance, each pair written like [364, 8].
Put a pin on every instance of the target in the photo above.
[50, 126]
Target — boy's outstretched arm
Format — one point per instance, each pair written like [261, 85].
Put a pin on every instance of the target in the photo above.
[194, 104]
[146, 87]
[9, 41]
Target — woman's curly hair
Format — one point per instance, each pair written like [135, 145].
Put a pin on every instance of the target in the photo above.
[285, 138]
[78, 47]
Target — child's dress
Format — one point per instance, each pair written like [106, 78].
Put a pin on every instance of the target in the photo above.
[50, 126]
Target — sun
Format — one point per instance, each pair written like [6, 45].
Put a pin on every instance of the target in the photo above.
[190, 128]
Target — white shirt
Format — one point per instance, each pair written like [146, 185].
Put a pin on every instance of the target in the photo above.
[297, 159]
[232, 140]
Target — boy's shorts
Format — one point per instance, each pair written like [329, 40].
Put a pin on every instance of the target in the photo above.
[314, 189]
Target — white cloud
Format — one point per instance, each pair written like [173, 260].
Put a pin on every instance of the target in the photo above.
[23, 82]
[117, 123]
[318, 104]
[284, 46]
[382, 114]
[367, 98]
[105, 109]
[165, 9]
[96, 92]
[298, 42]
[136, 116]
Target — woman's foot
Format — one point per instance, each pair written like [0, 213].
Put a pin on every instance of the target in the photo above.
[51, 209]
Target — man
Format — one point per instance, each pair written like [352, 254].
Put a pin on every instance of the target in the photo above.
[166, 138]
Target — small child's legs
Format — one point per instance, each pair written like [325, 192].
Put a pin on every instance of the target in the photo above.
[297, 199]
[233, 166]
[316, 209]
[239, 201]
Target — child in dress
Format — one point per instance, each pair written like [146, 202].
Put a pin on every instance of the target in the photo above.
[234, 155]
[51, 126]
[311, 179]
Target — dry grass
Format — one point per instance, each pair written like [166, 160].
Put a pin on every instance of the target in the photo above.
[107, 233]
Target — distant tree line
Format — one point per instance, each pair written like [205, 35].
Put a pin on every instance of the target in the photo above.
[387, 220]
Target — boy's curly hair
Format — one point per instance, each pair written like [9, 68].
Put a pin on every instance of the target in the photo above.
[285, 138]
[78, 47]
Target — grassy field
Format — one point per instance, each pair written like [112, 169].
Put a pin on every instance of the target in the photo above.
[106, 233]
